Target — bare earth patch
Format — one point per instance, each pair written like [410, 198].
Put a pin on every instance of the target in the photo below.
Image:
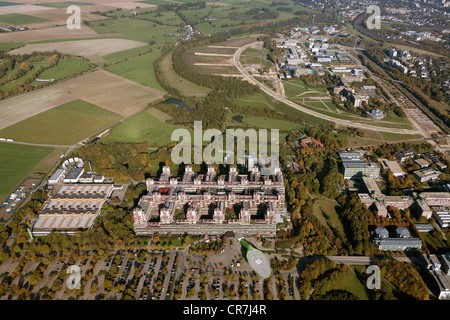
[48, 34]
[85, 48]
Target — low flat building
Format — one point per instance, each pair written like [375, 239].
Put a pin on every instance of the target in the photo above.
[404, 155]
[393, 166]
[436, 199]
[72, 208]
[358, 170]
[381, 209]
[400, 202]
[426, 174]
[423, 209]
[424, 227]
[442, 216]
[57, 176]
[398, 244]
[73, 175]
[354, 166]
[422, 163]
[372, 187]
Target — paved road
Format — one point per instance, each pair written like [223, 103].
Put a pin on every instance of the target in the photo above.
[280, 98]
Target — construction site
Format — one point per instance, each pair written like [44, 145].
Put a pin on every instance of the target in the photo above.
[211, 204]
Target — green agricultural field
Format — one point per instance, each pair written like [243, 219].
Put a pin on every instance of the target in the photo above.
[186, 87]
[135, 29]
[126, 54]
[63, 125]
[20, 19]
[65, 68]
[6, 46]
[17, 161]
[169, 18]
[143, 126]
[7, 3]
[63, 4]
[139, 69]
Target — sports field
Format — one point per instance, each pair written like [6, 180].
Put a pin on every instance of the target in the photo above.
[17, 161]
[63, 125]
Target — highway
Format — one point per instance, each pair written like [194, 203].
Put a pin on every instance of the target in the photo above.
[280, 98]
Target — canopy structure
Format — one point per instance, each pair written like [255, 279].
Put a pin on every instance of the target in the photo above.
[257, 260]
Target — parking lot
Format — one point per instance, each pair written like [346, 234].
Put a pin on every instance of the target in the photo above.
[144, 275]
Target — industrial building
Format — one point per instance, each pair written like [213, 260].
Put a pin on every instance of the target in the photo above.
[73, 207]
[203, 204]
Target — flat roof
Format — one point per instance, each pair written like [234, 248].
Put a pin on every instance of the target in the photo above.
[74, 173]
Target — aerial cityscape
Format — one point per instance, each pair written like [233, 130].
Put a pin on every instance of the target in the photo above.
[135, 139]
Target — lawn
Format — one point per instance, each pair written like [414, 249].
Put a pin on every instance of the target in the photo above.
[63, 125]
[139, 69]
[269, 123]
[352, 284]
[17, 161]
[18, 19]
[388, 136]
[143, 126]
[65, 68]
[327, 208]
[186, 87]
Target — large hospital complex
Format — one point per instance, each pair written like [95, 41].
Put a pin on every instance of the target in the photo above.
[212, 204]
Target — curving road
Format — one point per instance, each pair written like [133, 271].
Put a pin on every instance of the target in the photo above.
[280, 98]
